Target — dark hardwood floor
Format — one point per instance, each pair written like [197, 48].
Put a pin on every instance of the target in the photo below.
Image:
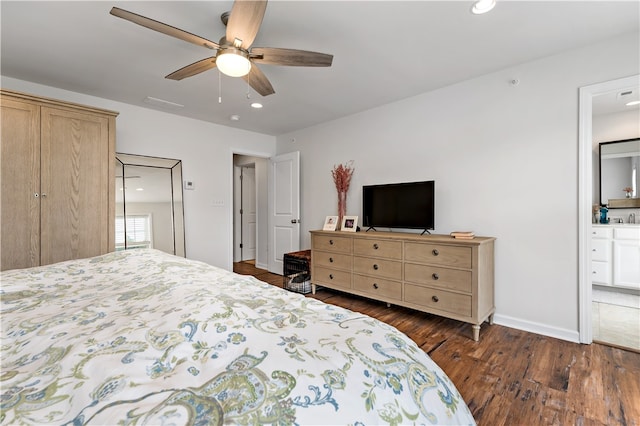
[511, 377]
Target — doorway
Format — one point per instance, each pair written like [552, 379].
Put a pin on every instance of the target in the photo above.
[246, 212]
[602, 317]
[277, 208]
[250, 222]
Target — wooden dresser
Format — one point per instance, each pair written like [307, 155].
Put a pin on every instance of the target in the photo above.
[438, 274]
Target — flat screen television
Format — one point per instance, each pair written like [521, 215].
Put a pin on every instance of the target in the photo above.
[408, 205]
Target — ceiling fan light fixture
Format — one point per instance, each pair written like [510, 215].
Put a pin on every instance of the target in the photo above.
[482, 6]
[233, 62]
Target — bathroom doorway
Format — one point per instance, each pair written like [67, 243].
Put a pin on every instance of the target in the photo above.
[609, 314]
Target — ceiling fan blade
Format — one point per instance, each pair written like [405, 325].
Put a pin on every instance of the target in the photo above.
[244, 21]
[193, 69]
[259, 81]
[163, 28]
[290, 57]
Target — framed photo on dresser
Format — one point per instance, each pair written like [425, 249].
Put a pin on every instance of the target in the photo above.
[349, 223]
[330, 223]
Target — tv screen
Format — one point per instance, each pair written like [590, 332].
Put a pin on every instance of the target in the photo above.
[399, 205]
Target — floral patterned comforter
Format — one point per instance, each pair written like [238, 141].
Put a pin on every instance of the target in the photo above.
[143, 337]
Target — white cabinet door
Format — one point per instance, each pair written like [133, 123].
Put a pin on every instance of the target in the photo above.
[626, 263]
[601, 250]
[601, 273]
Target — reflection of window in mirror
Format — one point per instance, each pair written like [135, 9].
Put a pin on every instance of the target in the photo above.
[138, 231]
[149, 211]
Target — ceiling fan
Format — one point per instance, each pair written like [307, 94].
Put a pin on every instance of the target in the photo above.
[235, 56]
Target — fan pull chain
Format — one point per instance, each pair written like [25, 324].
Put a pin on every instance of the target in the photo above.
[248, 86]
[219, 87]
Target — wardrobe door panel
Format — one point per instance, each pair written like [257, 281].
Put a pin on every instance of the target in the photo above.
[20, 199]
[75, 181]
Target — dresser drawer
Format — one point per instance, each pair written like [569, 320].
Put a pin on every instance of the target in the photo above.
[600, 232]
[332, 260]
[377, 287]
[378, 267]
[438, 254]
[443, 300]
[330, 243]
[601, 273]
[379, 248]
[601, 250]
[331, 277]
[453, 279]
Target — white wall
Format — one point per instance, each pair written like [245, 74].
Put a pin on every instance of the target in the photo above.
[505, 162]
[206, 151]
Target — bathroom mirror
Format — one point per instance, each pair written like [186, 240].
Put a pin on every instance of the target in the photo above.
[149, 209]
[620, 170]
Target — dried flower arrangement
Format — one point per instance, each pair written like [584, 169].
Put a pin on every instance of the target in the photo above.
[342, 174]
[628, 190]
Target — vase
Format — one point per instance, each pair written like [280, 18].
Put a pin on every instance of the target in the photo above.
[342, 206]
[628, 194]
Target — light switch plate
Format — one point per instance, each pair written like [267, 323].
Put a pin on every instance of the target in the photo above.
[188, 184]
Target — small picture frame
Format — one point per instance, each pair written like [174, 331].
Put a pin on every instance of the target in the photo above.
[349, 224]
[330, 223]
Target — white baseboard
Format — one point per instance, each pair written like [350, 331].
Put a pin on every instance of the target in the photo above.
[262, 266]
[534, 327]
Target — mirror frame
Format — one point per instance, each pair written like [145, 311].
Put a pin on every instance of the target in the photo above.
[177, 205]
[618, 202]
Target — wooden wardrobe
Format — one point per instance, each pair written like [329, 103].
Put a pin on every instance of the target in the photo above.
[58, 182]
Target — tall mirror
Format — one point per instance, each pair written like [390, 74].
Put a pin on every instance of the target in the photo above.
[149, 209]
[620, 173]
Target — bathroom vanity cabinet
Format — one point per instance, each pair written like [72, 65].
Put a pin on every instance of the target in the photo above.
[615, 255]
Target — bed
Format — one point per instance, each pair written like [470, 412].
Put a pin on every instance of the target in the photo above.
[143, 337]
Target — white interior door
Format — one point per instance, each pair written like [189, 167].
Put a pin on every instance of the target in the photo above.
[248, 213]
[284, 208]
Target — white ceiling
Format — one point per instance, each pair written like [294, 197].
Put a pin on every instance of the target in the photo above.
[79, 46]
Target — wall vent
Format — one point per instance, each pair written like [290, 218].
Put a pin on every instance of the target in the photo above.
[161, 103]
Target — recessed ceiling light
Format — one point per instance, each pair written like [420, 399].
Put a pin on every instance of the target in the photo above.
[139, 189]
[482, 6]
[234, 117]
[632, 103]
[256, 105]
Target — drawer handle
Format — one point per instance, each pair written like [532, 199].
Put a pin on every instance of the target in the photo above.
[435, 276]
[593, 272]
[593, 249]
[435, 252]
[331, 260]
[375, 246]
[330, 242]
[375, 285]
[375, 266]
[330, 276]
[435, 298]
